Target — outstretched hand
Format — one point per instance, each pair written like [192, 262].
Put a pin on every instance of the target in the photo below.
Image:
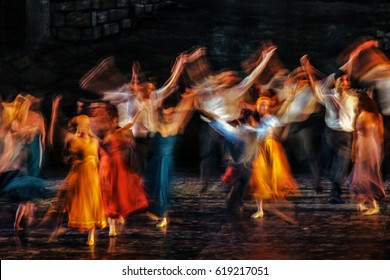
[188, 58]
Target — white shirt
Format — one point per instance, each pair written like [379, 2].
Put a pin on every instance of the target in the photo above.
[340, 109]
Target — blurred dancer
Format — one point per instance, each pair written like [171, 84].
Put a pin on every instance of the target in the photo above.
[365, 62]
[170, 121]
[303, 120]
[222, 94]
[84, 200]
[341, 107]
[271, 178]
[22, 132]
[365, 180]
[260, 159]
[122, 187]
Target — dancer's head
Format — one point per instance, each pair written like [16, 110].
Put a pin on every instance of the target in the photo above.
[83, 124]
[263, 105]
[342, 82]
[167, 114]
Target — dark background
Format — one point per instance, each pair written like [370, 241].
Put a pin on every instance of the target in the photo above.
[230, 29]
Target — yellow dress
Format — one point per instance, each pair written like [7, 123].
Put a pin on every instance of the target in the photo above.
[85, 205]
[271, 177]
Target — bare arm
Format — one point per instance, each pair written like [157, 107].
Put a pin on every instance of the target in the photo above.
[317, 88]
[54, 113]
[160, 94]
[249, 80]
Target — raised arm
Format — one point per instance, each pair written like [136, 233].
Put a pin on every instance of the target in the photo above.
[318, 88]
[160, 94]
[263, 60]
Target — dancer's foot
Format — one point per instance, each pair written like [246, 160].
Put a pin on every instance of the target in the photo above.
[90, 242]
[17, 227]
[361, 207]
[152, 216]
[112, 233]
[121, 220]
[258, 214]
[371, 211]
[162, 223]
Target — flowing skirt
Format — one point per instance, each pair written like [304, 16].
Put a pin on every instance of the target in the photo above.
[272, 178]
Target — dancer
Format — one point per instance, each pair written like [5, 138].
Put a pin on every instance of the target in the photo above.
[84, 200]
[122, 187]
[21, 134]
[271, 178]
[340, 102]
[365, 180]
[222, 94]
[170, 121]
[261, 161]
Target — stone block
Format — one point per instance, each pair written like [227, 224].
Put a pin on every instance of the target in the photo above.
[123, 3]
[118, 14]
[83, 5]
[102, 17]
[110, 29]
[91, 33]
[126, 23]
[68, 34]
[86, 34]
[148, 8]
[66, 6]
[97, 32]
[81, 19]
[95, 4]
[108, 4]
[139, 9]
[58, 20]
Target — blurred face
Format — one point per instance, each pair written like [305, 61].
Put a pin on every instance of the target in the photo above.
[263, 107]
[342, 83]
[168, 115]
[83, 125]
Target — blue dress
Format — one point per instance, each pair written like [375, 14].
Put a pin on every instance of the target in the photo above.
[159, 172]
[18, 187]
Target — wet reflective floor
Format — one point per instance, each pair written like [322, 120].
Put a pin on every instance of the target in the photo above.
[304, 227]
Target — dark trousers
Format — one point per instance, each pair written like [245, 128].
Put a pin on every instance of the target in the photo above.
[235, 196]
[142, 150]
[211, 150]
[337, 152]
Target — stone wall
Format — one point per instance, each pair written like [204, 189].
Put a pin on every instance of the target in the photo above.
[86, 20]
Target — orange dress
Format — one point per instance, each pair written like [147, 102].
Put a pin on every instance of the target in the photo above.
[122, 187]
[271, 177]
[85, 205]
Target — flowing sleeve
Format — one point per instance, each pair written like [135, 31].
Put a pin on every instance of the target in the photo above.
[236, 136]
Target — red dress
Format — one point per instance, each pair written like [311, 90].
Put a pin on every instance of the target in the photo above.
[122, 187]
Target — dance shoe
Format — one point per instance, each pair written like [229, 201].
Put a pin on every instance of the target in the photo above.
[258, 214]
